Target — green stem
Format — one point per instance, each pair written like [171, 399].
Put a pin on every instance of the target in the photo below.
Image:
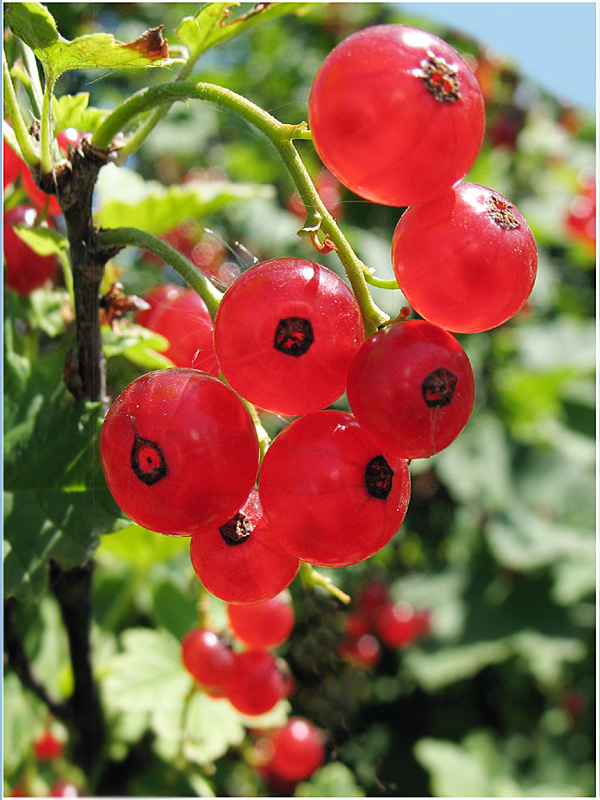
[34, 76]
[381, 283]
[46, 127]
[28, 151]
[311, 578]
[112, 237]
[281, 136]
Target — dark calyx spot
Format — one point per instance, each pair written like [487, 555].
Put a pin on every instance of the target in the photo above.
[293, 336]
[502, 212]
[438, 387]
[441, 79]
[147, 461]
[378, 478]
[237, 530]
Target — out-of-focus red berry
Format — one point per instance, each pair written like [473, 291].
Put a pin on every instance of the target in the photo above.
[47, 747]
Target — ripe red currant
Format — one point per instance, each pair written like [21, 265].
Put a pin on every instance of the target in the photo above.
[47, 747]
[297, 750]
[364, 650]
[396, 114]
[411, 388]
[208, 658]
[285, 333]
[181, 316]
[25, 269]
[399, 624]
[329, 495]
[179, 451]
[466, 260]
[15, 167]
[257, 684]
[262, 625]
[241, 561]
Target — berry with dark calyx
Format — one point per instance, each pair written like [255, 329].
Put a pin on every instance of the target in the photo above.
[285, 333]
[396, 115]
[179, 451]
[411, 388]
[208, 658]
[241, 561]
[296, 750]
[262, 625]
[466, 260]
[181, 316]
[257, 684]
[25, 270]
[328, 494]
[399, 624]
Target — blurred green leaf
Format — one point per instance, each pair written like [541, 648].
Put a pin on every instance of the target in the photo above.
[43, 240]
[154, 208]
[332, 780]
[73, 111]
[137, 344]
[212, 726]
[140, 547]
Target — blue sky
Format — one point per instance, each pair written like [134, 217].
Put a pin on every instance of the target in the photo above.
[553, 43]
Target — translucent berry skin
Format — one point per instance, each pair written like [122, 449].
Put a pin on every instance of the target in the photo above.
[285, 333]
[399, 624]
[314, 490]
[298, 750]
[257, 684]
[181, 316]
[411, 388]
[262, 625]
[25, 270]
[251, 570]
[467, 260]
[207, 658]
[396, 115]
[179, 451]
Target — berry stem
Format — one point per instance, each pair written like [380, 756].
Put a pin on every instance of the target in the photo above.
[28, 152]
[282, 137]
[311, 578]
[134, 237]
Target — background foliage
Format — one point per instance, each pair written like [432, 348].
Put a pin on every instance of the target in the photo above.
[499, 542]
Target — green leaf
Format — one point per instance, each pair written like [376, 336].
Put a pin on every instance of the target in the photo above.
[43, 240]
[141, 548]
[147, 676]
[215, 24]
[73, 111]
[212, 726]
[56, 501]
[332, 780]
[155, 208]
[139, 345]
[34, 24]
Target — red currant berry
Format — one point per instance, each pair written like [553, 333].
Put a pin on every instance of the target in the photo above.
[364, 651]
[396, 115]
[329, 495]
[47, 747]
[580, 223]
[14, 167]
[411, 388]
[11, 164]
[240, 561]
[328, 188]
[257, 684]
[262, 625]
[373, 594]
[179, 451]
[181, 316]
[208, 659]
[466, 261]
[68, 139]
[64, 789]
[25, 269]
[298, 750]
[399, 624]
[285, 333]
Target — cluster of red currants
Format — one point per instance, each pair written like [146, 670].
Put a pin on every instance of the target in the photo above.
[397, 116]
[379, 620]
[250, 676]
[48, 751]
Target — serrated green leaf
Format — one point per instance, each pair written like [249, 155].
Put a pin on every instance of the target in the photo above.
[155, 208]
[212, 726]
[56, 500]
[215, 24]
[147, 675]
[34, 24]
[73, 111]
[332, 780]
